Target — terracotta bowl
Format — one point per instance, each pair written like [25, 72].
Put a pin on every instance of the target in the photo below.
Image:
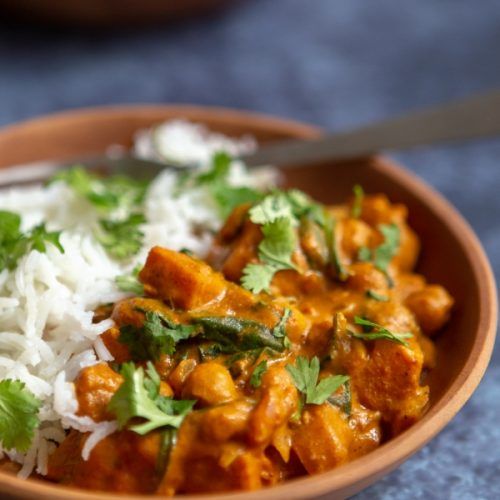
[107, 13]
[452, 256]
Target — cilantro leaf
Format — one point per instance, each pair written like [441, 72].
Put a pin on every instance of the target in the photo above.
[158, 335]
[18, 415]
[132, 400]
[257, 277]
[364, 254]
[275, 214]
[383, 254]
[10, 226]
[216, 180]
[39, 236]
[14, 244]
[105, 193]
[258, 372]
[130, 282]
[376, 331]
[305, 377]
[123, 238]
[357, 205]
[278, 244]
[229, 197]
[389, 248]
[221, 164]
[273, 207]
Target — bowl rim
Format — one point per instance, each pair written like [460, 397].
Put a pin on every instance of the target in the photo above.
[367, 469]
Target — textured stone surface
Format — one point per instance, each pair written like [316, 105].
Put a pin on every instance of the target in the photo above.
[335, 63]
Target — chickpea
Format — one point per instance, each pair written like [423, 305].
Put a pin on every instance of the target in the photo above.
[431, 306]
[210, 384]
[355, 234]
[365, 276]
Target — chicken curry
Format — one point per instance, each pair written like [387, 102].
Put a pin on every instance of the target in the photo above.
[297, 345]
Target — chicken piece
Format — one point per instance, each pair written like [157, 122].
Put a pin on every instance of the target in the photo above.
[180, 280]
[94, 387]
[322, 439]
[210, 384]
[431, 306]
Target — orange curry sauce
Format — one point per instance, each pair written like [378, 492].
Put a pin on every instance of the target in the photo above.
[244, 437]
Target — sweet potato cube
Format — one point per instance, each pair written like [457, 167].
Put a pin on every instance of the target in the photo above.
[180, 280]
[322, 440]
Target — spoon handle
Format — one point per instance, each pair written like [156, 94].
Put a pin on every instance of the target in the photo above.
[471, 118]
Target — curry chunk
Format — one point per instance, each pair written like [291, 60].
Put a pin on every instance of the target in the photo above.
[209, 384]
[201, 463]
[94, 387]
[323, 438]
[180, 280]
[351, 306]
[431, 306]
[123, 462]
[279, 400]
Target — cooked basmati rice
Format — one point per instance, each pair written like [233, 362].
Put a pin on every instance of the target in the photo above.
[47, 302]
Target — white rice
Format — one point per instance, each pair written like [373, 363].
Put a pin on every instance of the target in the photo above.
[47, 302]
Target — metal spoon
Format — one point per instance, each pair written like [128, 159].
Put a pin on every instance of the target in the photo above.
[471, 118]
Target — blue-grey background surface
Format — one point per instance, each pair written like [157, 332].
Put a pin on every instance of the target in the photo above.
[335, 63]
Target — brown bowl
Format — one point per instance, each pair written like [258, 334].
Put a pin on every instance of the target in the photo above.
[452, 256]
[107, 13]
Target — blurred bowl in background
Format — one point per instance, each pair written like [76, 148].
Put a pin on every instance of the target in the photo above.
[107, 13]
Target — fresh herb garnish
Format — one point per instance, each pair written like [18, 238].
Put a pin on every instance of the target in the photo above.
[383, 254]
[18, 415]
[139, 397]
[130, 282]
[14, 244]
[275, 213]
[305, 377]
[158, 335]
[357, 205]
[257, 277]
[105, 193]
[374, 331]
[235, 335]
[371, 294]
[258, 372]
[279, 331]
[216, 180]
[121, 238]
